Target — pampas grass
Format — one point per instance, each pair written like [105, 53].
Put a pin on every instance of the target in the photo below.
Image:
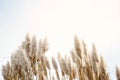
[29, 62]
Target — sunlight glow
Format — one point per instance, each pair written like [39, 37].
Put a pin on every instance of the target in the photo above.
[61, 20]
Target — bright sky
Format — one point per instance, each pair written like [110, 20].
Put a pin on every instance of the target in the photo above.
[95, 21]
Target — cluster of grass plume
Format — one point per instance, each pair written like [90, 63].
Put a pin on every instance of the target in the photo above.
[29, 62]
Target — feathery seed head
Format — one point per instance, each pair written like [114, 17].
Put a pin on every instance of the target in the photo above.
[94, 54]
[54, 63]
[118, 73]
[6, 71]
[47, 63]
[78, 47]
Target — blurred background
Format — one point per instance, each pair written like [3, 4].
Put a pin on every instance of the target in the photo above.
[95, 21]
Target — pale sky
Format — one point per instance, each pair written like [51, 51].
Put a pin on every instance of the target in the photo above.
[94, 21]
